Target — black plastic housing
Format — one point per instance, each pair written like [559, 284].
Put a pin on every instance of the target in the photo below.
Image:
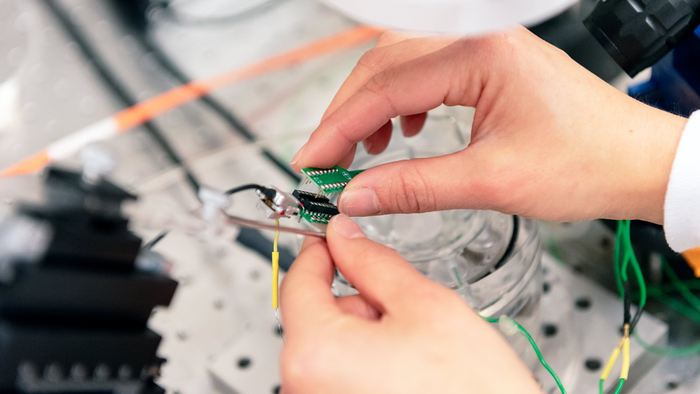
[638, 33]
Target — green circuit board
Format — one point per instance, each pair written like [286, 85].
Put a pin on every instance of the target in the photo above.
[330, 180]
[315, 217]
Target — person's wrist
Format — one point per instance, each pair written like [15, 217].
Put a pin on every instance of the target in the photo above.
[662, 132]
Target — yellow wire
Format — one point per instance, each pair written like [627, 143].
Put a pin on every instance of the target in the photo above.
[275, 268]
[624, 347]
[611, 362]
[625, 359]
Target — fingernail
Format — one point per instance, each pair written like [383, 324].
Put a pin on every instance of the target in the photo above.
[296, 157]
[359, 202]
[344, 226]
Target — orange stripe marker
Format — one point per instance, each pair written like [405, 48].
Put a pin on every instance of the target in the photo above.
[29, 165]
[692, 256]
[142, 112]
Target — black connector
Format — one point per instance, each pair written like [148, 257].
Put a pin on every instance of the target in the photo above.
[319, 207]
[304, 195]
[313, 203]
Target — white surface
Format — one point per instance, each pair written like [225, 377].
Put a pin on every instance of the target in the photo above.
[450, 16]
[596, 332]
[221, 308]
[682, 207]
[71, 144]
[262, 347]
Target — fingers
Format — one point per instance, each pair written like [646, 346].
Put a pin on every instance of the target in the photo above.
[306, 295]
[393, 48]
[421, 185]
[412, 124]
[411, 88]
[357, 306]
[377, 142]
[383, 278]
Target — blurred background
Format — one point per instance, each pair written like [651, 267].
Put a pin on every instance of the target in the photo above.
[68, 65]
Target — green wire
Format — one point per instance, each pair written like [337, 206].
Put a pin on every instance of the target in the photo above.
[535, 348]
[539, 356]
[554, 250]
[623, 239]
[619, 386]
[626, 246]
[459, 280]
[692, 284]
[667, 352]
[637, 272]
[682, 288]
[631, 257]
[616, 260]
[677, 305]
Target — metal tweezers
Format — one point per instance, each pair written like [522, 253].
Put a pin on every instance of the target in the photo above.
[238, 221]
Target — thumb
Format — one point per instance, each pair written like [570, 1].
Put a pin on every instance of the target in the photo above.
[419, 185]
[383, 278]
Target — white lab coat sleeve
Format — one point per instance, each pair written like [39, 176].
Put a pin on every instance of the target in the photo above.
[682, 206]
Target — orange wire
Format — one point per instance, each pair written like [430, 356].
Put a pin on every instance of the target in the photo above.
[148, 109]
[151, 108]
[29, 165]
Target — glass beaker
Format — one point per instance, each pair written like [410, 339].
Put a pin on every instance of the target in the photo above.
[491, 259]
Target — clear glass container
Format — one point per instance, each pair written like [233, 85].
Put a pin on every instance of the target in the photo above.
[490, 259]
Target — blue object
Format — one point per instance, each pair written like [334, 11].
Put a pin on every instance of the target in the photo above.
[675, 80]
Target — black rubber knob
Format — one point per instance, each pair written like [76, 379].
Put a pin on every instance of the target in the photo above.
[638, 33]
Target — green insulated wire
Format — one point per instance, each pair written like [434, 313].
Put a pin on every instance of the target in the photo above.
[635, 265]
[619, 386]
[490, 320]
[616, 260]
[539, 356]
[459, 280]
[623, 231]
[617, 391]
[692, 284]
[675, 304]
[667, 352]
[527, 335]
[677, 284]
[680, 286]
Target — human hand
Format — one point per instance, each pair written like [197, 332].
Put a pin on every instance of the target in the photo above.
[402, 334]
[549, 140]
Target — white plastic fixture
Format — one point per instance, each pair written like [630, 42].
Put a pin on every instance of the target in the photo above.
[450, 16]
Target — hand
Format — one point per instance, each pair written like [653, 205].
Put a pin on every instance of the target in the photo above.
[549, 141]
[402, 334]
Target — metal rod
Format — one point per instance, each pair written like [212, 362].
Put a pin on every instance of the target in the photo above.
[237, 221]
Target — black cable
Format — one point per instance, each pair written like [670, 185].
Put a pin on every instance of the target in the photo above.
[133, 12]
[255, 241]
[244, 187]
[150, 244]
[167, 8]
[636, 318]
[225, 114]
[117, 88]
[627, 302]
[249, 237]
